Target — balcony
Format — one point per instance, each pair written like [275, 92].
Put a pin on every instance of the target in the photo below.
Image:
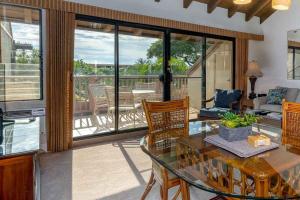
[94, 105]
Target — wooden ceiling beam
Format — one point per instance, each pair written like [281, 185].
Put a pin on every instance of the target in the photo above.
[232, 10]
[256, 8]
[266, 15]
[212, 5]
[187, 3]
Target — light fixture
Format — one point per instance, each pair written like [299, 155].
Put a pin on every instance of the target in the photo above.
[281, 4]
[242, 2]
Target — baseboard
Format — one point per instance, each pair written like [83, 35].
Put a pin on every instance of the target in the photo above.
[109, 138]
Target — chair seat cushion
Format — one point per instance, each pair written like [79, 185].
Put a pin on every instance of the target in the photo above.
[271, 107]
[213, 112]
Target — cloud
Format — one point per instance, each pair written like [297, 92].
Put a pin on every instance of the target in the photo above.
[26, 33]
[98, 47]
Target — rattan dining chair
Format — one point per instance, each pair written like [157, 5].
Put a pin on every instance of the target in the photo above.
[166, 120]
[291, 123]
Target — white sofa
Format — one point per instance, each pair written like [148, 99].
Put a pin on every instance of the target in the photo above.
[292, 95]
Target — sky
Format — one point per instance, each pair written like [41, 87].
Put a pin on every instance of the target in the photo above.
[98, 47]
[92, 47]
[28, 34]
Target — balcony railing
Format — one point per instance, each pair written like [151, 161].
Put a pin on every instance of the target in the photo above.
[82, 83]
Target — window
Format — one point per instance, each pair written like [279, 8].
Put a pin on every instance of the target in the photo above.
[20, 54]
[294, 63]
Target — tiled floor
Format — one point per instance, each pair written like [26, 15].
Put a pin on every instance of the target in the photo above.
[112, 171]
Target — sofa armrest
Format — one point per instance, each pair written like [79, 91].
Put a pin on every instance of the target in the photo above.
[259, 101]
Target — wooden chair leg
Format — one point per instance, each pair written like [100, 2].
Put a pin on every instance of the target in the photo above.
[149, 186]
[185, 192]
[164, 192]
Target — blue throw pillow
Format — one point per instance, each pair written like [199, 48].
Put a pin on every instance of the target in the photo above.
[275, 96]
[224, 98]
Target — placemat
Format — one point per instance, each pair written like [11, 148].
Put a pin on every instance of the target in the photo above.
[241, 148]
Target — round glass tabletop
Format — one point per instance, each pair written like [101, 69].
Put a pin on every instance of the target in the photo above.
[274, 174]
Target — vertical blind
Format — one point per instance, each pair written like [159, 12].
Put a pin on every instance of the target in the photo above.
[60, 28]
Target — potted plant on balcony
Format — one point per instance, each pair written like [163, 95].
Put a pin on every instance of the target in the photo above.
[234, 127]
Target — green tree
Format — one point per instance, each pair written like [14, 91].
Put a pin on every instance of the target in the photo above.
[187, 51]
[28, 58]
[82, 68]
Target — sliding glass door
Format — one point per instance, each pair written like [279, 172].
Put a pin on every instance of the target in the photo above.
[219, 66]
[117, 65]
[186, 64]
[140, 65]
[94, 78]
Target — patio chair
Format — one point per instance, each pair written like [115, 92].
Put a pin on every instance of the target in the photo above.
[165, 120]
[224, 101]
[290, 123]
[97, 97]
[178, 93]
[128, 109]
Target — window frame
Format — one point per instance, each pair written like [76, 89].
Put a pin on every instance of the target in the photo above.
[30, 104]
[167, 42]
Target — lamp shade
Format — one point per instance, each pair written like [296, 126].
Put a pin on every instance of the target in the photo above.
[241, 2]
[281, 4]
[254, 70]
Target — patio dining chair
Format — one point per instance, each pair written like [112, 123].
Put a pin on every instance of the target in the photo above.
[166, 120]
[129, 111]
[290, 123]
[97, 97]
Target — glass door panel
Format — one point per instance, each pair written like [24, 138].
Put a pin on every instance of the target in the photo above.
[94, 79]
[186, 67]
[140, 65]
[219, 66]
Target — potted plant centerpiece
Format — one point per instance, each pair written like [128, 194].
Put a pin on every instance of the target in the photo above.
[235, 127]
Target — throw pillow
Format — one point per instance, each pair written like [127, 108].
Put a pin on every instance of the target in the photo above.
[275, 96]
[224, 98]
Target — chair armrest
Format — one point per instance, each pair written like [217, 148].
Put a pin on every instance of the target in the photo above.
[209, 100]
[259, 101]
[234, 105]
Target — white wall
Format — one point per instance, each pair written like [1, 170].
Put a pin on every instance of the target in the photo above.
[271, 54]
[173, 9]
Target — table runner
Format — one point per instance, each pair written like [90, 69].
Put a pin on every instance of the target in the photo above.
[240, 148]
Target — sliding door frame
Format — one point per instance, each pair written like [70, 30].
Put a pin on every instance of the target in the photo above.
[167, 76]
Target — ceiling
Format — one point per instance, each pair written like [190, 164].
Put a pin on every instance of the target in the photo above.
[260, 8]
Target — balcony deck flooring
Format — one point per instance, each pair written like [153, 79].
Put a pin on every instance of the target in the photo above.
[85, 125]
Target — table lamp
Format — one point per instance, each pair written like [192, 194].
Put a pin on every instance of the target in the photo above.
[253, 73]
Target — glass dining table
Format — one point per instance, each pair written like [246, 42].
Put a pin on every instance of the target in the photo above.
[274, 174]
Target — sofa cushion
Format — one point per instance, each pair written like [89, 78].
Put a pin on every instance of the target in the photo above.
[275, 96]
[298, 98]
[224, 98]
[291, 94]
[270, 107]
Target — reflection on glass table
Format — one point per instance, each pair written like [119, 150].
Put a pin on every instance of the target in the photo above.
[270, 175]
[21, 135]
